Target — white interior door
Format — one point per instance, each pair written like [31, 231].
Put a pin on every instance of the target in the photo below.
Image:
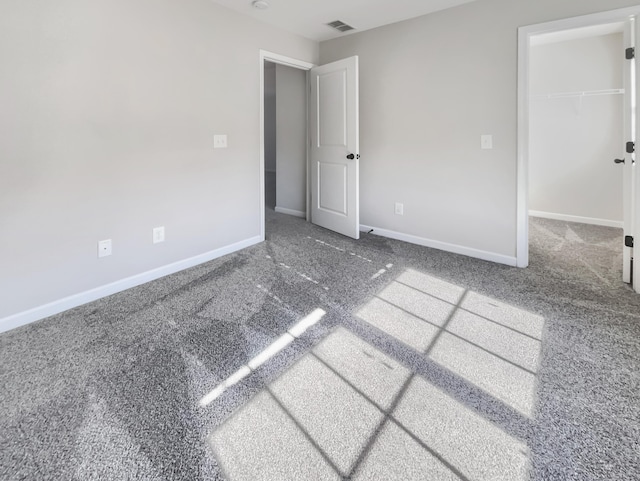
[628, 158]
[334, 154]
[630, 187]
[631, 176]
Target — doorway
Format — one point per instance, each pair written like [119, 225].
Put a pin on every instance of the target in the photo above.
[583, 103]
[280, 175]
[576, 120]
[576, 130]
[285, 135]
[331, 143]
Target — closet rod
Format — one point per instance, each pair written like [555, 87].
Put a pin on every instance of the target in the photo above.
[585, 93]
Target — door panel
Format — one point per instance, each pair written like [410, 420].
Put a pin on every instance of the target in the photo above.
[332, 195]
[333, 109]
[632, 178]
[629, 135]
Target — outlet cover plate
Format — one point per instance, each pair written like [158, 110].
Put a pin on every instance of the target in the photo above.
[220, 141]
[104, 248]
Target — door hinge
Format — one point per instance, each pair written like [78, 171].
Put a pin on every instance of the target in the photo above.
[630, 53]
[628, 241]
[631, 147]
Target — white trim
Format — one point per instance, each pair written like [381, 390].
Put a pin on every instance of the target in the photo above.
[297, 213]
[524, 40]
[307, 167]
[522, 194]
[55, 307]
[282, 60]
[576, 218]
[443, 246]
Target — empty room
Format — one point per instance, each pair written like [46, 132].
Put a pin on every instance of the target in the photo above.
[309, 240]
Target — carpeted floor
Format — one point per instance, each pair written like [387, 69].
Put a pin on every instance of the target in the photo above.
[312, 356]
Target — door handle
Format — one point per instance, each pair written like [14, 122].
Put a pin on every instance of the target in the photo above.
[619, 161]
[351, 156]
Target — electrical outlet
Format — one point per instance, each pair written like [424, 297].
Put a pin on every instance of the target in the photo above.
[399, 208]
[158, 234]
[220, 141]
[104, 248]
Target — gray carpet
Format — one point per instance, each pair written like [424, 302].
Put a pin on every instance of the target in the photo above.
[312, 356]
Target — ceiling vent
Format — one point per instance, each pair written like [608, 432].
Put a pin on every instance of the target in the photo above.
[340, 26]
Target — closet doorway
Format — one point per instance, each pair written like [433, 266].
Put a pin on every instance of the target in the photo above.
[577, 125]
[576, 131]
[285, 139]
[580, 99]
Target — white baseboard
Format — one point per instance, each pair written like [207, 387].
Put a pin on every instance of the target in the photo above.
[443, 246]
[55, 307]
[575, 218]
[296, 213]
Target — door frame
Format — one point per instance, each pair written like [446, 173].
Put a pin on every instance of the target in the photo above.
[524, 45]
[266, 56]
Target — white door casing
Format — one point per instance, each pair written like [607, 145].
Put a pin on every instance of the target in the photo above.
[334, 152]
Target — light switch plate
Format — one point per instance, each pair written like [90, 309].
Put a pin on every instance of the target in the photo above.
[158, 234]
[220, 141]
[486, 141]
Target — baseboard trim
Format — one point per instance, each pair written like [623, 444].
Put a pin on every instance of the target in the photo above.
[575, 218]
[296, 213]
[55, 307]
[443, 246]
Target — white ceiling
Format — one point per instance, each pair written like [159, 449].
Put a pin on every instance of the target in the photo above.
[309, 17]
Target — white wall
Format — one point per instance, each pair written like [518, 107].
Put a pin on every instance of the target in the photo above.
[429, 87]
[291, 107]
[270, 117]
[573, 141]
[106, 130]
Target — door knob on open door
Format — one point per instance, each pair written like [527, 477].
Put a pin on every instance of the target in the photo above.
[351, 156]
[619, 161]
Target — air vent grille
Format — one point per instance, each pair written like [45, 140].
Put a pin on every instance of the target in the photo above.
[340, 26]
